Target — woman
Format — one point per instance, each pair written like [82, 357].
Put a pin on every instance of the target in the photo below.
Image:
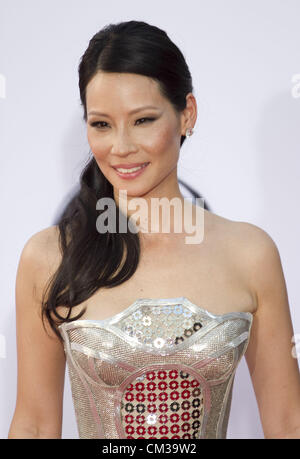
[152, 327]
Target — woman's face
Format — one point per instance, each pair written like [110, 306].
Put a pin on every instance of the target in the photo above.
[117, 136]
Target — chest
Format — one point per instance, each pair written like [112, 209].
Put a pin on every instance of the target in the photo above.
[207, 275]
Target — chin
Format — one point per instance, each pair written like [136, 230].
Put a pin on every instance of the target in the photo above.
[133, 193]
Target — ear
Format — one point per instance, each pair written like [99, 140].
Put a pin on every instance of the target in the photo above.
[189, 114]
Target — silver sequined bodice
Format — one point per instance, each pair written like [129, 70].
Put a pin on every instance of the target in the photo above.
[162, 368]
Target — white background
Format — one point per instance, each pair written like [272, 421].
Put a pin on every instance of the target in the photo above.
[243, 157]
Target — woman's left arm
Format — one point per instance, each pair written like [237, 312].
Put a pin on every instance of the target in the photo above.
[270, 355]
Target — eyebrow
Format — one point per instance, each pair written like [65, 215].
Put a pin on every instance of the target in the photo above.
[93, 112]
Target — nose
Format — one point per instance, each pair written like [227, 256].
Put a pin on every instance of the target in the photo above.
[122, 143]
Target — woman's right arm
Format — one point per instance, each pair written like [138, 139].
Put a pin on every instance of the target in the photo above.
[41, 359]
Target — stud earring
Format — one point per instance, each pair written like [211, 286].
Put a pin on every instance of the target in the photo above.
[189, 132]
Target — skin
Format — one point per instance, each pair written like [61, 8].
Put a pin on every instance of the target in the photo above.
[237, 267]
[122, 137]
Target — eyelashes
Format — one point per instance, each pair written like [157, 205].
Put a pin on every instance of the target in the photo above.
[97, 123]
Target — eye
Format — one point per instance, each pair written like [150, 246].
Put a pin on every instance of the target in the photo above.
[97, 123]
[147, 119]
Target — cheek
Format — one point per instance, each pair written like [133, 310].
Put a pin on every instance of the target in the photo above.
[162, 142]
[96, 145]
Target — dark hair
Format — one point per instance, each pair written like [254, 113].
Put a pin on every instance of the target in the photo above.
[91, 260]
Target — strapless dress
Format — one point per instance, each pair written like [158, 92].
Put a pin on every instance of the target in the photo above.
[162, 368]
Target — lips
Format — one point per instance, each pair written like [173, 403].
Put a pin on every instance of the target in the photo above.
[128, 166]
[132, 172]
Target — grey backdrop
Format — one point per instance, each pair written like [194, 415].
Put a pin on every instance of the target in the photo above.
[243, 157]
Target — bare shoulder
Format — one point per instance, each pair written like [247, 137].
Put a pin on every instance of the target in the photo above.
[247, 237]
[41, 255]
[258, 251]
[44, 239]
[254, 241]
[262, 260]
[253, 252]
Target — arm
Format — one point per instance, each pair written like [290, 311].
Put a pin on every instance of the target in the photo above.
[273, 369]
[41, 359]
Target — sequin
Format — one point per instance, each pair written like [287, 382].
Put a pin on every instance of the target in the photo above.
[129, 407]
[174, 406]
[174, 418]
[151, 385]
[196, 402]
[187, 323]
[168, 400]
[150, 375]
[163, 418]
[184, 384]
[188, 357]
[159, 331]
[140, 397]
[140, 408]
[152, 408]
[173, 384]
[183, 374]
[137, 315]
[151, 419]
[170, 319]
[162, 385]
[148, 332]
[179, 339]
[188, 332]
[196, 392]
[140, 419]
[163, 396]
[129, 419]
[187, 313]
[162, 374]
[151, 397]
[146, 325]
[159, 342]
[178, 309]
[196, 425]
[152, 431]
[185, 405]
[173, 374]
[185, 416]
[146, 320]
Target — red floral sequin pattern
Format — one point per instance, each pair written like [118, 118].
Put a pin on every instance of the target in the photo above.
[162, 404]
